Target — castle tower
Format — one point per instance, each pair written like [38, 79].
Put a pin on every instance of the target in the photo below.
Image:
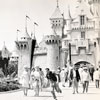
[95, 8]
[24, 49]
[57, 21]
[52, 42]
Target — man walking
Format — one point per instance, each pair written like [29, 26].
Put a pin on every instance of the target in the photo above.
[97, 78]
[53, 81]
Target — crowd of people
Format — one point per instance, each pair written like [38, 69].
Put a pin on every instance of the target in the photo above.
[36, 79]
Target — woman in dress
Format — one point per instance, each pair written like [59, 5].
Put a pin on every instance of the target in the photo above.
[35, 76]
[25, 77]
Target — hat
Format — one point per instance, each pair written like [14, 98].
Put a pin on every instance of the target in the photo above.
[26, 66]
[85, 68]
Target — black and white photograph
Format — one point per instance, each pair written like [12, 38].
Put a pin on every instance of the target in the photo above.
[49, 49]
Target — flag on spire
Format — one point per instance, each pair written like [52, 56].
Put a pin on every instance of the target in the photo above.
[27, 17]
[35, 23]
[18, 30]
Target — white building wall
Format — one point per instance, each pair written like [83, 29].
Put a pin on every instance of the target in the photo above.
[52, 56]
[40, 60]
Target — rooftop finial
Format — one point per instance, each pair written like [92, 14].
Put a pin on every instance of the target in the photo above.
[57, 3]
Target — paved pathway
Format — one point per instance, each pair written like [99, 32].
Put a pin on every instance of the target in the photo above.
[93, 94]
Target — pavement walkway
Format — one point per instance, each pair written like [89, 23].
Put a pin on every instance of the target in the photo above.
[93, 94]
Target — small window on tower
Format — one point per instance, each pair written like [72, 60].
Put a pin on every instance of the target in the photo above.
[21, 46]
[25, 46]
[83, 35]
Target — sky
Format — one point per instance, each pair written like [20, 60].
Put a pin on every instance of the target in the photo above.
[12, 17]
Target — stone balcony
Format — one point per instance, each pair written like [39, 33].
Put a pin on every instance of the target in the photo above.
[89, 25]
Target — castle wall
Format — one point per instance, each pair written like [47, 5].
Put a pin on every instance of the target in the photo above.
[40, 60]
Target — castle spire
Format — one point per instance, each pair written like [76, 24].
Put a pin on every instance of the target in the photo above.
[57, 3]
[68, 13]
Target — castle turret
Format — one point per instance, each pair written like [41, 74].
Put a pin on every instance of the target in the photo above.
[52, 42]
[57, 21]
[5, 52]
[24, 49]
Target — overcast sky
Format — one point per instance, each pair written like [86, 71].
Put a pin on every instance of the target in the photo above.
[12, 17]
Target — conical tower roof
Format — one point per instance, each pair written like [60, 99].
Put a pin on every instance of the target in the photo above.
[25, 34]
[5, 52]
[57, 13]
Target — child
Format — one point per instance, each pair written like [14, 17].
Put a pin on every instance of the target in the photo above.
[25, 80]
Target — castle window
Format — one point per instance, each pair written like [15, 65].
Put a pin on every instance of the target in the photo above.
[49, 41]
[56, 41]
[21, 46]
[25, 46]
[82, 20]
[94, 44]
[83, 35]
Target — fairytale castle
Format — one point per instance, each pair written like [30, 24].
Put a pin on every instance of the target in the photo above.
[81, 31]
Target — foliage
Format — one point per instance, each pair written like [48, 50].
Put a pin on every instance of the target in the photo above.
[8, 86]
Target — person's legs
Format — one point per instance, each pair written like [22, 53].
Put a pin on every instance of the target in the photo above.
[52, 91]
[63, 81]
[97, 83]
[73, 83]
[84, 86]
[76, 86]
[37, 88]
[24, 90]
[87, 84]
[57, 88]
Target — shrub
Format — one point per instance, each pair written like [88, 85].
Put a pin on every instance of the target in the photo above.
[8, 86]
